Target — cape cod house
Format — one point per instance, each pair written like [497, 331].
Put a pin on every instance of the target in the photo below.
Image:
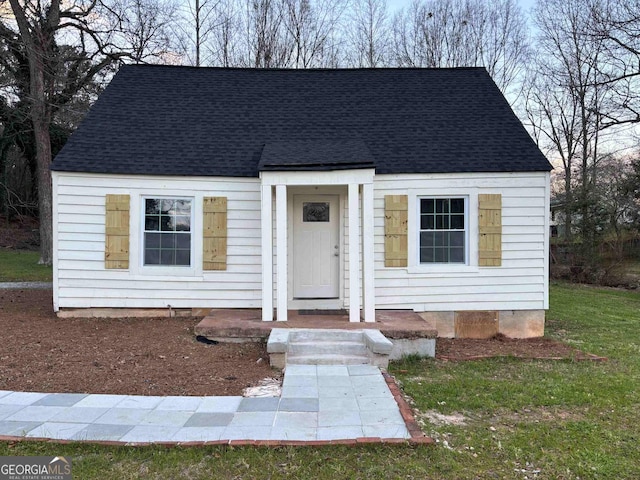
[359, 189]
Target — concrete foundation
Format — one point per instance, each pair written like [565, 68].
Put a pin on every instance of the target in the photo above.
[124, 312]
[521, 323]
[485, 324]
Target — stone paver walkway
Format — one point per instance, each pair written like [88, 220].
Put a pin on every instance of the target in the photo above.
[323, 402]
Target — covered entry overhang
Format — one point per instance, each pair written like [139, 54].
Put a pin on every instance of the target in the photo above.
[286, 168]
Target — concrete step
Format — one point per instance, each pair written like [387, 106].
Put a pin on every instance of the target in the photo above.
[327, 359]
[325, 347]
[309, 336]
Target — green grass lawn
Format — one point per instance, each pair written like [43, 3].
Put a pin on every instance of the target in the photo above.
[22, 266]
[523, 419]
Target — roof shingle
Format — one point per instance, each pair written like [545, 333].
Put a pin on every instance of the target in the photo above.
[166, 120]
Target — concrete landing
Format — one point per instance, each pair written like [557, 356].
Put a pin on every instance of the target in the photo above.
[242, 325]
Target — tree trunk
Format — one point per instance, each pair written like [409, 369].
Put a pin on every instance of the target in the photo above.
[40, 116]
[568, 205]
[44, 192]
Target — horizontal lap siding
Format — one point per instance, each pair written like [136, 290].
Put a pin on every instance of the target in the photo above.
[83, 280]
[518, 284]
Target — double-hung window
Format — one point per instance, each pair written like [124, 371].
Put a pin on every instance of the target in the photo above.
[167, 231]
[443, 230]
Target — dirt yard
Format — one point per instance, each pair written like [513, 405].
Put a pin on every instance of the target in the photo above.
[461, 349]
[158, 356]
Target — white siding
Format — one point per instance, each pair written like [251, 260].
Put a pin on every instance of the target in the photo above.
[521, 281]
[82, 280]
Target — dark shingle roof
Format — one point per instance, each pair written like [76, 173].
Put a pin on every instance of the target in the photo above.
[167, 120]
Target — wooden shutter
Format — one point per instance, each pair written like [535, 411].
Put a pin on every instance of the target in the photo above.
[490, 229]
[395, 230]
[215, 233]
[116, 251]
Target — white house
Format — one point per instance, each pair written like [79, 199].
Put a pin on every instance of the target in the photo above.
[360, 189]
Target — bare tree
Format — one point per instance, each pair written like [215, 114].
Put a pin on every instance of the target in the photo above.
[266, 35]
[98, 32]
[311, 27]
[463, 33]
[196, 27]
[223, 46]
[616, 24]
[369, 33]
[563, 101]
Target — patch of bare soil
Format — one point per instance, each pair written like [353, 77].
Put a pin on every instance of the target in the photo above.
[19, 234]
[459, 349]
[135, 356]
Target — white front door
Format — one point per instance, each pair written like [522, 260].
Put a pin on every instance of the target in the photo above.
[316, 247]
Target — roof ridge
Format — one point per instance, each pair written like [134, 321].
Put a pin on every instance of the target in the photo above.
[301, 70]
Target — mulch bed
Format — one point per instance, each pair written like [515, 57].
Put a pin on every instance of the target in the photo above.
[461, 349]
[135, 356]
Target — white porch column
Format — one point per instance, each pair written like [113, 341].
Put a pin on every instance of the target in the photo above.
[354, 254]
[368, 271]
[266, 227]
[281, 252]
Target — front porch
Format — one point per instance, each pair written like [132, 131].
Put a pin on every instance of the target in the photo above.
[317, 260]
[246, 325]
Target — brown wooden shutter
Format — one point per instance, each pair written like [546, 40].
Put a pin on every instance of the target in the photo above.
[116, 251]
[490, 229]
[395, 230]
[215, 233]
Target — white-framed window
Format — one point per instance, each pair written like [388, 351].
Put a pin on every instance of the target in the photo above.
[443, 230]
[167, 232]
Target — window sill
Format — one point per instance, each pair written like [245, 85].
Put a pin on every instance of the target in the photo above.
[439, 269]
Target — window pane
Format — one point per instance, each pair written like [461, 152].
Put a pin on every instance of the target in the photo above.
[168, 241]
[457, 205]
[183, 223]
[440, 255]
[167, 257]
[151, 206]
[426, 255]
[426, 222]
[442, 205]
[427, 205]
[456, 239]
[183, 207]
[151, 223]
[426, 239]
[442, 222]
[439, 239]
[166, 223]
[183, 241]
[183, 257]
[315, 212]
[167, 206]
[151, 257]
[152, 240]
[456, 255]
[457, 222]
